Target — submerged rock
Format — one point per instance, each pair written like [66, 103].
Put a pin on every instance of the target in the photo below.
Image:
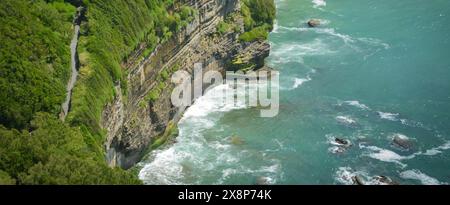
[262, 181]
[236, 140]
[402, 141]
[342, 142]
[340, 145]
[384, 180]
[357, 180]
[313, 23]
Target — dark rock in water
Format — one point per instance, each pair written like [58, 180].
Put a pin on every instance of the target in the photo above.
[236, 140]
[341, 145]
[357, 180]
[262, 181]
[402, 141]
[341, 141]
[314, 23]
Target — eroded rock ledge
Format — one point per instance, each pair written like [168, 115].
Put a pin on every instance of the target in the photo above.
[133, 122]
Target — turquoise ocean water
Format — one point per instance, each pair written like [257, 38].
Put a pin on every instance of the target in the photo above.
[372, 71]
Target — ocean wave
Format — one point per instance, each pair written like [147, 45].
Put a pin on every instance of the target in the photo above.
[196, 155]
[214, 101]
[418, 175]
[165, 169]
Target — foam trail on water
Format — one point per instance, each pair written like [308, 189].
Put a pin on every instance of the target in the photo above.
[436, 150]
[386, 155]
[346, 120]
[395, 117]
[357, 104]
[294, 52]
[418, 175]
[388, 116]
[347, 39]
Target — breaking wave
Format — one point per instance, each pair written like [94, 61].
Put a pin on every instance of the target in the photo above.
[198, 158]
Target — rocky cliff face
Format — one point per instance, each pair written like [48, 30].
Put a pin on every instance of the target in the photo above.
[133, 122]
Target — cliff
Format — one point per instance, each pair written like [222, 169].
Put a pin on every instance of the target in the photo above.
[119, 105]
[136, 121]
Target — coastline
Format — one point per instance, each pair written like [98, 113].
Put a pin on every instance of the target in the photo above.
[136, 126]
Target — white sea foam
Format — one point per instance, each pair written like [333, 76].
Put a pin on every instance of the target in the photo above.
[346, 120]
[319, 3]
[299, 82]
[399, 136]
[357, 44]
[336, 149]
[294, 52]
[275, 27]
[164, 169]
[357, 104]
[327, 31]
[214, 101]
[332, 32]
[395, 117]
[418, 175]
[388, 116]
[437, 150]
[345, 175]
[375, 42]
[196, 155]
[390, 156]
[386, 155]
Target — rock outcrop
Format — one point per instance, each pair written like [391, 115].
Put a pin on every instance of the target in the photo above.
[402, 141]
[134, 122]
[313, 23]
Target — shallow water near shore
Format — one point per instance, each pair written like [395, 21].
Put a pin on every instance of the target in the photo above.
[372, 71]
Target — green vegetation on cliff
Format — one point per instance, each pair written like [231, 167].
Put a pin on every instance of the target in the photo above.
[52, 152]
[34, 58]
[114, 30]
[35, 68]
[35, 146]
[259, 16]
